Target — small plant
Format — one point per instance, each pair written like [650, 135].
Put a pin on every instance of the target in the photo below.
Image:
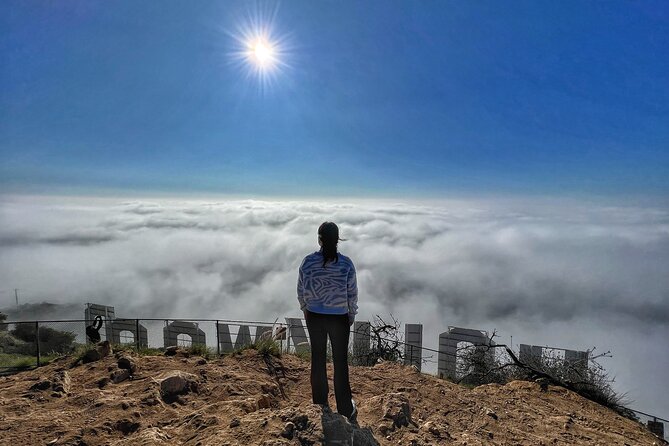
[240, 349]
[150, 351]
[80, 350]
[143, 350]
[267, 346]
[264, 346]
[200, 350]
[266, 343]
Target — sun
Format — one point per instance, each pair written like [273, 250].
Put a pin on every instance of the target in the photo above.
[261, 53]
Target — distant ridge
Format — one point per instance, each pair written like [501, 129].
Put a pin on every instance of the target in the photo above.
[44, 311]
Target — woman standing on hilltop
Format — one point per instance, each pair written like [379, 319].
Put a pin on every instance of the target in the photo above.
[328, 294]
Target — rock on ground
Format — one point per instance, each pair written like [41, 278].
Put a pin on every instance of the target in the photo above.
[177, 383]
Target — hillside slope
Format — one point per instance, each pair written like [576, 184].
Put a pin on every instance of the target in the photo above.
[245, 400]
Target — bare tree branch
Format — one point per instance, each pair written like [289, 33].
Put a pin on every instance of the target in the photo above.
[586, 377]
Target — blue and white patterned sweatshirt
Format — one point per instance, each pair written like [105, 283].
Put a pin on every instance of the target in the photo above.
[329, 290]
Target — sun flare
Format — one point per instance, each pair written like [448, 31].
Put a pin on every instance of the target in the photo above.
[261, 53]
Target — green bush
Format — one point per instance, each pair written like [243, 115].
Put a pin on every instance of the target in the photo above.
[50, 340]
[11, 344]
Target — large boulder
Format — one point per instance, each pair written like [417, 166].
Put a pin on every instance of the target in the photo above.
[127, 363]
[338, 430]
[171, 350]
[119, 375]
[91, 355]
[177, 382]
[311, 424]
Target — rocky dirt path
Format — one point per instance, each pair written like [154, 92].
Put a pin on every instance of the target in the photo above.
[235, 400]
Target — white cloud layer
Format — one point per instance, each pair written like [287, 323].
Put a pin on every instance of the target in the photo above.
[566, 274]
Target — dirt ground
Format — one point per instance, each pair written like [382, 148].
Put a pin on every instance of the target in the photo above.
[244, 400]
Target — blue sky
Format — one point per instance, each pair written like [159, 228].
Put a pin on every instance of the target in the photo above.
[380, 98]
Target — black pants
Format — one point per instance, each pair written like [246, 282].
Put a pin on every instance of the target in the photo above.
[336, 326]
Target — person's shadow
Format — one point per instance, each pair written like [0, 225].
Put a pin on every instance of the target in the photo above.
[338, 431]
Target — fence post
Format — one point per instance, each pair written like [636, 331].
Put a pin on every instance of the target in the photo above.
[410, 354]
[218, 341]
[37, 341]
[137, 335]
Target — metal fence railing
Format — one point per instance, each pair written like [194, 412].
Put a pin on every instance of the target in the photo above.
[654, 423]
[29, 344]
[25, 344]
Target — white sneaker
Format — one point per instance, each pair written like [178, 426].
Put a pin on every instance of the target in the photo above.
[354, 414]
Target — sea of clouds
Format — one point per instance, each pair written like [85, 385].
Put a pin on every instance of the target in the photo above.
[547, 272]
